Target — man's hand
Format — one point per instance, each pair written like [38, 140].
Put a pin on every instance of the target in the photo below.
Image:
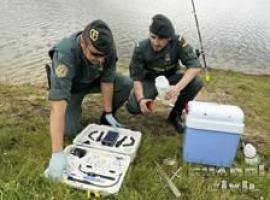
[175, 90]
[57, 166]
[146, 105]
[188, 76]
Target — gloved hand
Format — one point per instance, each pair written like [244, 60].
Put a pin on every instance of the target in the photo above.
[109, 119]
[57, 165]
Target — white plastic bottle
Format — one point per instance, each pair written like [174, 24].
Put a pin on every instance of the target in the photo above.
[162, 84]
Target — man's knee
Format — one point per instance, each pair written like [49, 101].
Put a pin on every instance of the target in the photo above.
[71, 129]
[127, 85]
[123, 86]
[123, 83]
[132, 105]
[196, 84]
[73, 119]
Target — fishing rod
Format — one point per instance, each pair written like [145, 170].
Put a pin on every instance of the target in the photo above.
[201, 51]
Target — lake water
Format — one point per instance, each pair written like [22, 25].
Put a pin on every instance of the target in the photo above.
[236, 33]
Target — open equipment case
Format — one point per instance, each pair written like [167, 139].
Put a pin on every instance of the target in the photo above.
[99, 158]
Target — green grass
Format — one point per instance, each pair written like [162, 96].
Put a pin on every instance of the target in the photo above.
[25, 143]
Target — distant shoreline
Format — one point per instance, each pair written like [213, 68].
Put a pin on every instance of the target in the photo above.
[122, 67]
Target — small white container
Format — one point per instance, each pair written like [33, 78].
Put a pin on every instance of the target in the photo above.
[162, 84]
[251, 156]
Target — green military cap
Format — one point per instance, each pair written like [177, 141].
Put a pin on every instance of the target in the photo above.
[162, 26]
[100, 36]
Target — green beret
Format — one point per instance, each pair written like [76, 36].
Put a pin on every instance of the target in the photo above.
[162, 26]
[100, 36]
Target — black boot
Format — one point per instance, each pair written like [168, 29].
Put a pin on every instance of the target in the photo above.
[103, 120]
[176, 120]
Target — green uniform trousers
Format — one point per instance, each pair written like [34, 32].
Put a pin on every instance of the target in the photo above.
[122, 87]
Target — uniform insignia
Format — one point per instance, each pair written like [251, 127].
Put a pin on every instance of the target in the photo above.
[61, 71]
[93, 34]
[167, 57]
[137, 44]
[183, 42]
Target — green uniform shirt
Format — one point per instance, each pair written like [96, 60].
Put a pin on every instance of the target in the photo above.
[146, 63]
[73, 73]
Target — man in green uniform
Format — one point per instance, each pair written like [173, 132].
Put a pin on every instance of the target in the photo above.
[82, 63]
[160, 55]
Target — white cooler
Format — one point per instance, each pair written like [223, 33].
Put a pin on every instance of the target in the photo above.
[212, 133]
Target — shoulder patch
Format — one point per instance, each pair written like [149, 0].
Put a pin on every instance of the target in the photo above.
[183, 42]
[137, 44]
[61, 71]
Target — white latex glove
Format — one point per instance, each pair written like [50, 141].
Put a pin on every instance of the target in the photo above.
[57, 166]
[112, 121]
